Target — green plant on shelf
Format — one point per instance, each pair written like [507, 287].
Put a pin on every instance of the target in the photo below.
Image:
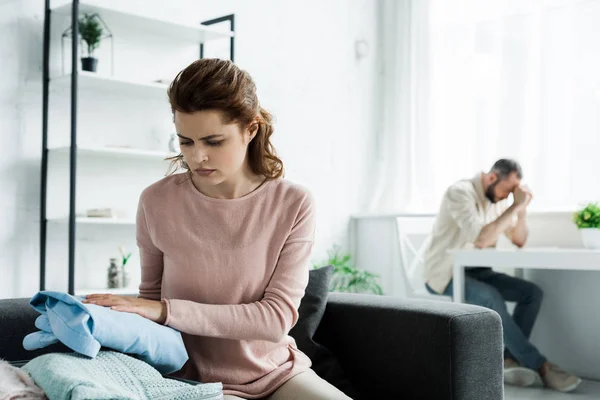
[346, 277]
[91, 32]
[588, 217]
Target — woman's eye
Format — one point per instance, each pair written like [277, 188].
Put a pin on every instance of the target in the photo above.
[185, 143]
[214, 144]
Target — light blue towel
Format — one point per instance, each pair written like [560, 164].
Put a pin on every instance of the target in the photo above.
[84, 328]
[110, 375]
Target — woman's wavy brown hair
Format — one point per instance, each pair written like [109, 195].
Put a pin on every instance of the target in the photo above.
[214, 84]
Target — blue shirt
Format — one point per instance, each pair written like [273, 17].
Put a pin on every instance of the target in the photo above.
[85, 328]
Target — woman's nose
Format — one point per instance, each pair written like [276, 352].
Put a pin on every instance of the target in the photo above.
[200, 155]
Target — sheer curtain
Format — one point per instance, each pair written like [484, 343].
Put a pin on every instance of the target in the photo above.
[466, 82]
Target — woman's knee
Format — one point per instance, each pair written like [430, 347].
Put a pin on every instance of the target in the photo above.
[308, 386]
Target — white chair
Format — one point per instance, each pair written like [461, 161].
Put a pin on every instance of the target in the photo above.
[412, 271]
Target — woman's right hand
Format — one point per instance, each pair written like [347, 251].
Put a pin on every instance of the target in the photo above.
[151, 309]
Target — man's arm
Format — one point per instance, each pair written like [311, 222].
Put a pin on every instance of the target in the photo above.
[489, 233]
[463, 210]
[518, 234]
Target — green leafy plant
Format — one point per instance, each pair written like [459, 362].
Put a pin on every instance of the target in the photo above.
[588, 217]
[346, 277]
[91, 32]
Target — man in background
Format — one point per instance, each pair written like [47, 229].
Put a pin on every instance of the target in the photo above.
[475, 212]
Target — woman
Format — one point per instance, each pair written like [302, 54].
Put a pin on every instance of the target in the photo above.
[224, 247]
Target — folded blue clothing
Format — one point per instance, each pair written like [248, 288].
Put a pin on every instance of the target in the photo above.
[85, 328]
[42, 338]
[43, 323]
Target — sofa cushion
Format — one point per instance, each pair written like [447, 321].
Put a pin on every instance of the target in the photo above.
[16, 321]
[311, 310]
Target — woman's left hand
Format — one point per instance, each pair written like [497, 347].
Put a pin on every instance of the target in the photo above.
[151, 309]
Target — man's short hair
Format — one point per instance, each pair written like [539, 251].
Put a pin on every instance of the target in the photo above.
[505, 166]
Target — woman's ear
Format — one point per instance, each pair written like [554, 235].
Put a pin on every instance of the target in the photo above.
[252, 130]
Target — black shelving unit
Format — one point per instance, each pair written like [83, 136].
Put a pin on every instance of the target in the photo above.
[227, 18]
[72, 223]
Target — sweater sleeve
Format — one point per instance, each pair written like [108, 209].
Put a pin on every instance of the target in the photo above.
[151, 258]
[275, 314]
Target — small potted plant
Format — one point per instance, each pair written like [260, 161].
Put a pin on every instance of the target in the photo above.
[346, 277]
[91, 31]
[124, 271]
[588, 223]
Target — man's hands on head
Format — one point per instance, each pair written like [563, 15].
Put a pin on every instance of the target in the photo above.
[522, 197]
[489, 233]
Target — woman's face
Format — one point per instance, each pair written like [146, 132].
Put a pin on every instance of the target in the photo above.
[214, 151]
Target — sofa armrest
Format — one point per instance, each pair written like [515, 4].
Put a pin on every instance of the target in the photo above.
[17, 319]
[415, 349]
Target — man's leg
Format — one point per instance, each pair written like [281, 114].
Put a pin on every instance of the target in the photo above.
[527, 295]
[482, 294]
[529, 300]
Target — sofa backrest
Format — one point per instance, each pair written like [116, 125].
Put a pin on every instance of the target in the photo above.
[17, 319]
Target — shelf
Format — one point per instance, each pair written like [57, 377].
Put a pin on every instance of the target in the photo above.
[120, 291]
[94, 221]
[120, 152]
[98, 82]
[160, 27]
[129, 27]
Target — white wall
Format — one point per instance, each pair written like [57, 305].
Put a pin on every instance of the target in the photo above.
[567, 327]
[301, 55]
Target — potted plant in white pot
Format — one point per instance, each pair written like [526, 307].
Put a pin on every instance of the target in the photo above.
[588, 223]
[91, 31]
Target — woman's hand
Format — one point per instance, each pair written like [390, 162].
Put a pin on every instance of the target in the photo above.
[151, 309]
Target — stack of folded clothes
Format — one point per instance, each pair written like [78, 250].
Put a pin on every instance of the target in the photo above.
[144, 352]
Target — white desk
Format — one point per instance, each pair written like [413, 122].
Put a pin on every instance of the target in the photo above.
[530, 258]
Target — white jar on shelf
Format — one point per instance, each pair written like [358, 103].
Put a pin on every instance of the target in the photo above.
[115, 278]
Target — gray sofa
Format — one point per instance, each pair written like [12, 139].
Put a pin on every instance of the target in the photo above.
[389, 347]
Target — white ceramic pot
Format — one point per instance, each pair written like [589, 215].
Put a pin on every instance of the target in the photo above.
[591, 238]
